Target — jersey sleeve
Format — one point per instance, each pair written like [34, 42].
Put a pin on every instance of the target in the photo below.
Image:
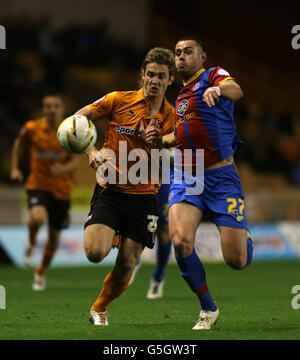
[218, 75]
[103, 107]
[26, 131]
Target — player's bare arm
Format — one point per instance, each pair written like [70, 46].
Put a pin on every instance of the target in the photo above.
[17, 150]
[152, 133]
[169, 141]
[229, 89]
[166, 141]
[87, 111]
[96, 158]
[153, 137]
[94, 155]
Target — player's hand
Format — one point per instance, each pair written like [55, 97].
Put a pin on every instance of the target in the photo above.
[16, 175]
[152, 134]
[96, 158]
[211, 95]
[57, 169]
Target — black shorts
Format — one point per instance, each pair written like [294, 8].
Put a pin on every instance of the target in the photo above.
[58, 210]
[131, 215]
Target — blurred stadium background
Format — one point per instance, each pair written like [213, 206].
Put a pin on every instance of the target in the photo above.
[84, 49]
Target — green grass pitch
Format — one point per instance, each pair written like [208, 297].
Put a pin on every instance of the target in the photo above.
[254, 304]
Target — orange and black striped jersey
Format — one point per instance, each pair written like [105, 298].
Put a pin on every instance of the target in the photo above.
[125, 109]
[44, 152]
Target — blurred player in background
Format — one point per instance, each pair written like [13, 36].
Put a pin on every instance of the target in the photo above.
[131, 210]
[49, 183]
[164, 245]
[204, 120]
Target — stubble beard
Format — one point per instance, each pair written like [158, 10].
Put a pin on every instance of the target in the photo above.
[185, 74]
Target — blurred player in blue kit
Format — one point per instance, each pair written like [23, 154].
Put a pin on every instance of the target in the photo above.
[204, 120]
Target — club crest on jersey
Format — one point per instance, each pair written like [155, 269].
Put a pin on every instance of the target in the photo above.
[181, 108]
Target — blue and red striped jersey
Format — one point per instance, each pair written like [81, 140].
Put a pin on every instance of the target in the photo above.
[209, 128]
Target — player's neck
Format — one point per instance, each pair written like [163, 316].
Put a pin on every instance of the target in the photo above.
[188, 78]
[154, 104]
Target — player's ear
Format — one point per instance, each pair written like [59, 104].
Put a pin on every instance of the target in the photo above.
[142, 78]
[203, 56]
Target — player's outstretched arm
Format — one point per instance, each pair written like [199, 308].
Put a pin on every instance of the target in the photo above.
[169, 140]
[153, 137]
[17, 150]
[95, 157]
[87, 111]
[231, 90]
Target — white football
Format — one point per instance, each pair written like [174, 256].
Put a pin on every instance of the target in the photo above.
[77, 134]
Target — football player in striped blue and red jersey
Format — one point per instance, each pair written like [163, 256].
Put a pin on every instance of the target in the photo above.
[204, 120]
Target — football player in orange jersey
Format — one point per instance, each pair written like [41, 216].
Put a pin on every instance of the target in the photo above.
[127, 208]
[49, 183]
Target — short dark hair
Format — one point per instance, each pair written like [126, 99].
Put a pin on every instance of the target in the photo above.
[194, 38]
[160, 56]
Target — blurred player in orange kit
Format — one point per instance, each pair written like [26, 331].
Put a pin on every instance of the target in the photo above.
[49, 183]
[127, 208]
